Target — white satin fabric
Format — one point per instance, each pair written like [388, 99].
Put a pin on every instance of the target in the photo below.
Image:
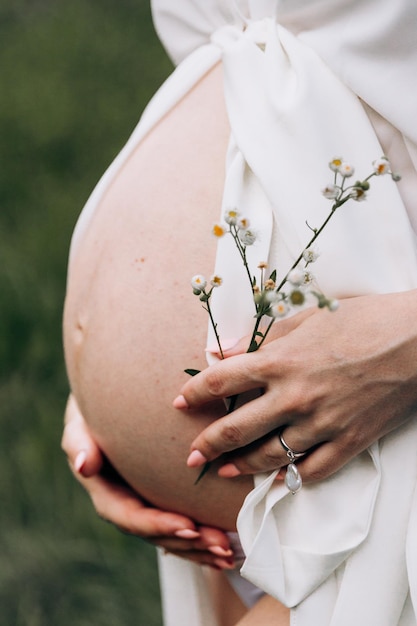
[344, 551]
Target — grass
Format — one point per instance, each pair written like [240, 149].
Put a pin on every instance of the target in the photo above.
[74, 78]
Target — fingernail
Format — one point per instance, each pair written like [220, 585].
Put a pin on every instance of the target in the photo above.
[196, 459]
[224, 564]
[80, 460]
[219, 551]
[180, 403]
[227, 344]
[229, 471]
[187, 533]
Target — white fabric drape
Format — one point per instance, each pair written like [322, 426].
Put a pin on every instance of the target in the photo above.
[336, 553]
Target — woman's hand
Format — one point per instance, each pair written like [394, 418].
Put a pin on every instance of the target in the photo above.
[335, 382]
[115, 502]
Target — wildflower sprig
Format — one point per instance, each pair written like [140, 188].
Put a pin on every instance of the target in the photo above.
[274, 299]
[199, 285]
[239, 228]
[340, 192]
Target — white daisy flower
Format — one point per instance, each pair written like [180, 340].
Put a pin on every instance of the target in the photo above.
[216, 281]
[218, 230]
[381, 166]
[308, 278]
[297, 297]
[310, 255]
[358, 194]
[279, 309]
[231, 216]
[335, 163]
[331, 192]
[296, 276]
[346, 170]
[247, 237]
[198, 282]
[243, 223]
[272, 296]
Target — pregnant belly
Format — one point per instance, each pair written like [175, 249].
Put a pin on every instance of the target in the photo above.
[131, 323]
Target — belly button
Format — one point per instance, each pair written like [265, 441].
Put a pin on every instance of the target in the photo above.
[79, 332]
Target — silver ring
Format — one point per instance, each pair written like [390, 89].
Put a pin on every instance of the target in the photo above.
[293, 479]
[291, 454]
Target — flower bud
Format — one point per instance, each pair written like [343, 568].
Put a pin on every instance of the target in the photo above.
[331, 192]
[296, 276]
[198, 282]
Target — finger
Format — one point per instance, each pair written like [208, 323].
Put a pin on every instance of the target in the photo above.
[262, 456]
[209, 539]
[119, 505]
[214, 537]
[230, 347]
[269, 453]
[211, 548]
[83, 454]
[205, 558]
[238, 429]
[280, 328]
[329, 458]
[224, 379]
[172, 544]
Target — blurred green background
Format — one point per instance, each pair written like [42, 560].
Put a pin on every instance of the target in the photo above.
[74, 78]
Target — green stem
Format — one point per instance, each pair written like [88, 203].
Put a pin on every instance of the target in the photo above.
[213, 323]
[242, 251]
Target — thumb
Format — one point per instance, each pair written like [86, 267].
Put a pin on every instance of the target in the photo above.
[84, 455]
[230, 347]
[280, 328]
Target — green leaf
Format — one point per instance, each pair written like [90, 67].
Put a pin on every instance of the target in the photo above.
[192, 372]
[203, 472]
[273, 276]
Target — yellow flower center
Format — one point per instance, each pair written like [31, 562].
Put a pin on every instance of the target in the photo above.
[218, 231]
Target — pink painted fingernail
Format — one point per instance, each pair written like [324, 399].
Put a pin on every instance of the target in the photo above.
[219, 551]
[196, 459]
[180, 403]
[187, 533]
[80, 460]
[229, 471]
[224, 564]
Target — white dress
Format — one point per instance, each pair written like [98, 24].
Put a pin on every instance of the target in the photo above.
[306, 80]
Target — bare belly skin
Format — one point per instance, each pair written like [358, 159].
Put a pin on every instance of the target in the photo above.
[131, 323]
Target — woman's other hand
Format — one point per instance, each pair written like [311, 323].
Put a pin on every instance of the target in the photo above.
[335, 382]
[115, 502]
